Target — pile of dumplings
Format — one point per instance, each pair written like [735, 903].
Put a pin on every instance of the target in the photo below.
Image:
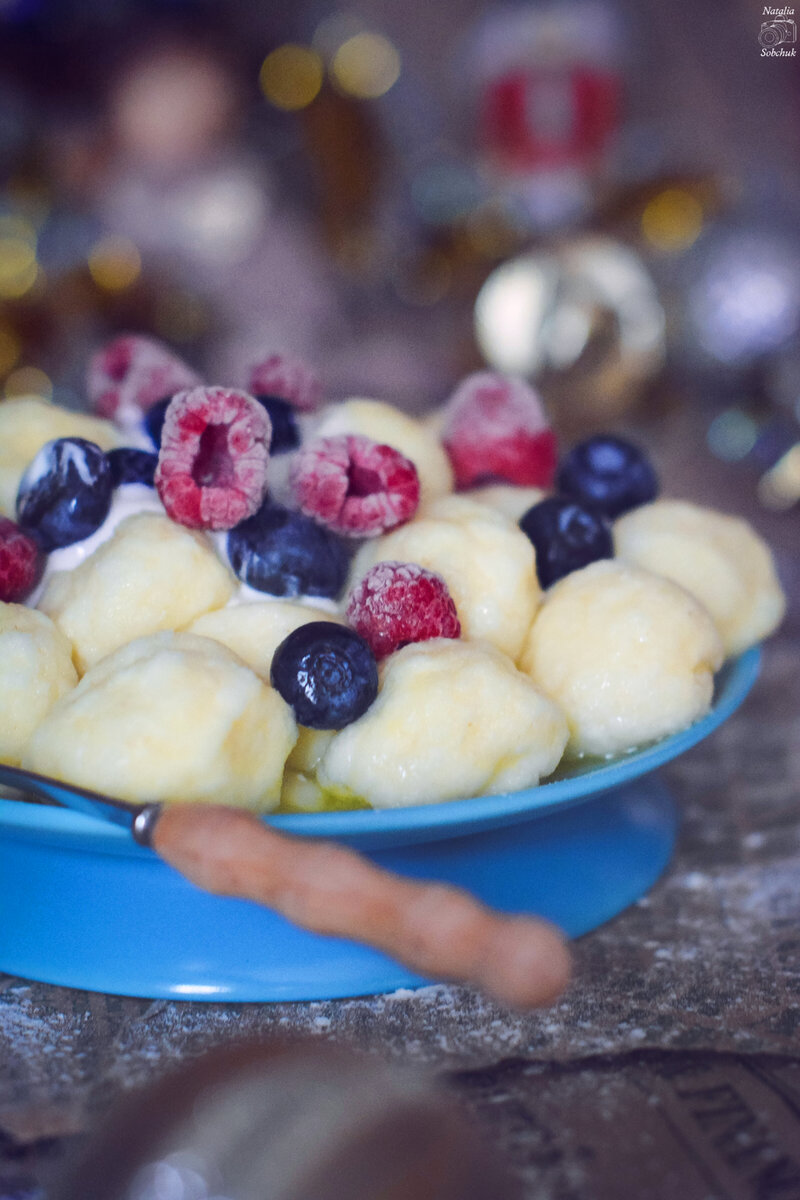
[141, 673]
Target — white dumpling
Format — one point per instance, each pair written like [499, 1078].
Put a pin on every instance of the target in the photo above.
[151, 575]
[489, 567]
[36, 670]
[506, 498]
[452, 719]
[172, 718]
[720, 559]
[255, 630]
[629, 656]
[462, 506]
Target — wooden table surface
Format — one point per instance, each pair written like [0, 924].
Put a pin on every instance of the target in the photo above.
[670, 1069]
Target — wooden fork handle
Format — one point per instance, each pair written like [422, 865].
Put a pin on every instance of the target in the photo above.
[436, 930]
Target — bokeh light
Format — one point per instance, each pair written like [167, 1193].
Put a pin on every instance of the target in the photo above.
[172, 105]
[29, 381]
[220, 217]
[672, 220]
[732, 435]
[291, 76]
[745, 301]
[510, 311]
[114, 263]
[366, 66]
[445, 192]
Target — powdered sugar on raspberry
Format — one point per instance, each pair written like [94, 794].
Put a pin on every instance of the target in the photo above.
[131, 373]
[289, 379]
[496, 428]
[212, 466]
[397, 603]
[21, 563]
[354, 485]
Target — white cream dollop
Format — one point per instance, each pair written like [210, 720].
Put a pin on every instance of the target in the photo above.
[127, 501]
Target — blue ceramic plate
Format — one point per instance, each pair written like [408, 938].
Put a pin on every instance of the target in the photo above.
[82, 905]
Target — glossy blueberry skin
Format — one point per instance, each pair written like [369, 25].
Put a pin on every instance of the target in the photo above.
[287, 554]
[129, 465]
[566, 536]
[326, 673]
[154, 420]
[65, 493]
[285, 430]
[608, 473]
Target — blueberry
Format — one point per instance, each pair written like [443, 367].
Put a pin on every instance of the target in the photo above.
[608, 473]
[327, 673]
[154, 420]
[566, 536]
[287, 554]
[129, 465]
[65, 493]
[285, 431]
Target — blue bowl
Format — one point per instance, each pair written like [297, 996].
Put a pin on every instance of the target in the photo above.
[81, 905]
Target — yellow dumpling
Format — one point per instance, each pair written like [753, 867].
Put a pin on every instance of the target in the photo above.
[452, 719]
[462, 506]
[36, 670]
[151, 575]
[173, 718]
[488, 564]
[254, 631]
[506, 498]
[628, 656]
[720, 559]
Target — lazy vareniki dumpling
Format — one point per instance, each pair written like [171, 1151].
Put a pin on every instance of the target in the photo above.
[171, 717]
[720, 559]
[628, 656]
[451, 719]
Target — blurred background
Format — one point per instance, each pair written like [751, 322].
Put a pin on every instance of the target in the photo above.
[600, 196]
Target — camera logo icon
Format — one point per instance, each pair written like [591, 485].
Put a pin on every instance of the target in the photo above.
[777, 33]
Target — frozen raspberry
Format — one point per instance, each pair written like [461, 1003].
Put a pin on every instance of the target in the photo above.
[286, 378]
[354, 486]
[212, 466]
[397, 603]
[21, 563]
[496, 428]
[131, 373]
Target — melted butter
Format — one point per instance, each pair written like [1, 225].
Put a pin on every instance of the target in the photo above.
[302, 794]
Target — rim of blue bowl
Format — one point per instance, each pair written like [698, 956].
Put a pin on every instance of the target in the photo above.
[732, 685]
